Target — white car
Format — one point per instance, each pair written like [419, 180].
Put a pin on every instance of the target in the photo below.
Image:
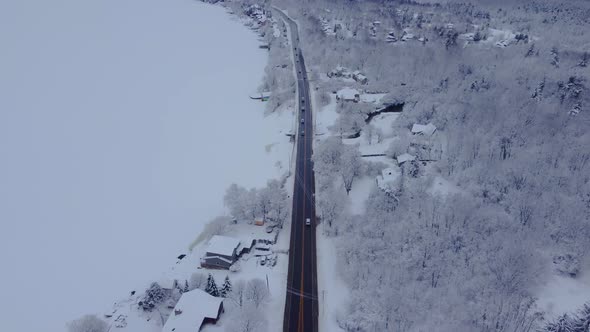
[302, 120]
[307, 222]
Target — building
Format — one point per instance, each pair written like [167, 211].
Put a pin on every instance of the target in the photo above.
[194, 310]
[386, 180]
[222, 252]
[348, 94]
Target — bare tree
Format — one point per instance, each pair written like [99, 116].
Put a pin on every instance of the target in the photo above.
[256, 291]
[247, 319]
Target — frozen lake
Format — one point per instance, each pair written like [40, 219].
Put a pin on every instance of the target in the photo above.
[121, 124]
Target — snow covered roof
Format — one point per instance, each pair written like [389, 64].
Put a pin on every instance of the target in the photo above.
[347, 94]
[190, 311]
[388, 174]
[427, 130]
[405, 157]
[222, 245]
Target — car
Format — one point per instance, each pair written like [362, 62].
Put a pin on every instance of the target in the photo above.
[302, 120]
[302, 133]
[302, 109]
[307, 222]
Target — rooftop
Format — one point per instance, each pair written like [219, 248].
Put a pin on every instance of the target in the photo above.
[222, 245]
[190, 311]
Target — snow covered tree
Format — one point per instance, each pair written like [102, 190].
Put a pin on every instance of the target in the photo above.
[154, 295]
[247, 319]
[238, 293]
[211, 286]
[88, 323]
[350, 166]
[256, 291]
[226, 288]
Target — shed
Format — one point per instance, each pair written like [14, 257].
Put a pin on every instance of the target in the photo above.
[194, 309]
[426, 130]
[259, 221]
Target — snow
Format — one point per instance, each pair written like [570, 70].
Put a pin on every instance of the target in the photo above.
[223, 245]
[119, 136]
[372, 97]
[347, 94]
[190, 311]
[426, 130]
[384, 121]
[361, 188]
[325, 117]
[333, 293]
[441, 186]
[563, 294]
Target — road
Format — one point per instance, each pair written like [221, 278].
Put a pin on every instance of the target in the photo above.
[301, 307]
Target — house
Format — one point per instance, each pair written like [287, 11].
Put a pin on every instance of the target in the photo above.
[348, 94]
[259, 221]
[405, 157]
[391, 37]
[359, 77]
[222, 252]
[194, 310]
[426, 130]
[386, 179]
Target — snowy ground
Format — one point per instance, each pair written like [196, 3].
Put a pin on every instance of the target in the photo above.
[139, 321]
[119, 135]
[563, 294]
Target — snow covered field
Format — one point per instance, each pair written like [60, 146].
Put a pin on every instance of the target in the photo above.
[122, 124]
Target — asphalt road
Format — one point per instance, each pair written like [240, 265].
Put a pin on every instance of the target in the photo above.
[301, 307]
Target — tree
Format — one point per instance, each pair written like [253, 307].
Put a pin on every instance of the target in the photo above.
[211, 286]
[247, 319]
[154, 295]
[198, 280]
[256, 291]
[88, 323]
[238, 293]
[350, 166]
[226, 288]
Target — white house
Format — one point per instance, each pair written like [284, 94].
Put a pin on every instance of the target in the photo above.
[194, 309]
[426, 130]
[348, 94]
[386, 179]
